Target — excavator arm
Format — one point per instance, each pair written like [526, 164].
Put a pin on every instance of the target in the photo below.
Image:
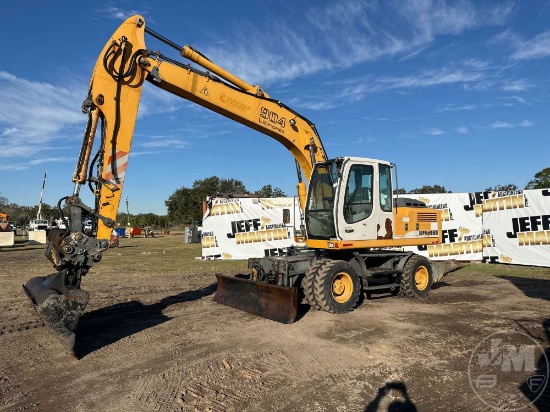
[122, 68]
[115, 89]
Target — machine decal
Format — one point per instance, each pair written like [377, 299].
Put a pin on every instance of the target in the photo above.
[121, 165]
[389, 230]
[234, 103]
[271, 119]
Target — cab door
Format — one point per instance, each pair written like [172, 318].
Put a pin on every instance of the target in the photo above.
[364, 205]
[356, 207]
[385, 203]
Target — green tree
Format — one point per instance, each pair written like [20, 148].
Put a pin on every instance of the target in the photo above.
[230, 186]
[268, 191]
[46, 211]
[3, 202]
[148, 219]
[180, 206]
[430, 189]
[21, 215]
[399, 191]
[185, 204]
[541, 180]
[502, 188]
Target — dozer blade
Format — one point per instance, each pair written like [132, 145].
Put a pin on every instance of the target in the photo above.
[58, 306]
[273, 302]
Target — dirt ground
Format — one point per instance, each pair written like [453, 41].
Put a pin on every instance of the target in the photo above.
[156, 341]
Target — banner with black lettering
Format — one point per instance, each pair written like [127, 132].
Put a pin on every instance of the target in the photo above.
[463, 237]
[241, 228]
[506, 227]
[519, 223]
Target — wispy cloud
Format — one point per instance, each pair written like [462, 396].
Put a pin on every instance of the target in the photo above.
[43, 160]
[319, 104]
[441, 17]
[429, 78]
[463, 130]
[511, 100]
[363, 140]
[535, 48]
[476, 64]
[456, 108]
[18, 166]
[518, 85]
[354, 89]
[34, 115]
[164, 142]
[501, 125]
[526, 123]
[318, 38]
[155, 101]
[508, 125]
[38, 117]
[434, 132]
[116, 13]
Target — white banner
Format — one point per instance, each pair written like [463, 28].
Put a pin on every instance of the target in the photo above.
[506, 227]
[241, 228]
[463, 237]
[519, 223]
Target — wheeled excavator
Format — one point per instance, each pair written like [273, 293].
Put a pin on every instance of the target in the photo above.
[352, 226]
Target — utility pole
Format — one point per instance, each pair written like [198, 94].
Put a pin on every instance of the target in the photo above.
[127, 212]
[39, 214]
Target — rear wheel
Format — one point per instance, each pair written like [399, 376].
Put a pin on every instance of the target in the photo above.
[337, 287]
[417, 277]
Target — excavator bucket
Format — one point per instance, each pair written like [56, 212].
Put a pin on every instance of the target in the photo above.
[58, 305]
[273, 302]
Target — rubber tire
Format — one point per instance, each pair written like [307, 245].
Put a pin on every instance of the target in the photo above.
[308, 283]
[408, 285]
[323, 286]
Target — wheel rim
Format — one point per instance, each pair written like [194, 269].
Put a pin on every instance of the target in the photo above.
[421, 278]
[342, 287]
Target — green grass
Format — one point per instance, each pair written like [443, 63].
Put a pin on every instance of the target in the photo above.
[498, 269]
[169, 254]
[165, 254]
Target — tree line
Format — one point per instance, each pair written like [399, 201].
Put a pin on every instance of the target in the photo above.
[185, 205]
[541, 180]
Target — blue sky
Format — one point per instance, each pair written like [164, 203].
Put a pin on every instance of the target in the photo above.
[455, 93]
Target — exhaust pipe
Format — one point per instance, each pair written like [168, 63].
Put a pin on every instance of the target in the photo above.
[58, 304]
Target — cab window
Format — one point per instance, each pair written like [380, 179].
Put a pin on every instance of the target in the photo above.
[385, 187]
[358, 201]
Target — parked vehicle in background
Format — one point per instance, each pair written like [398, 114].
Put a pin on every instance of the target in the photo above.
[5, 224]
[60, 223]
[37, 224]
[148, 231]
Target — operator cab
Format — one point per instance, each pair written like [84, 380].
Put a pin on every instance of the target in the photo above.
[350, 198]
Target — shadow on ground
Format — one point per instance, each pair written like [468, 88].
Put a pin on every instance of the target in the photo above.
[533, 288]
[102, 327]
